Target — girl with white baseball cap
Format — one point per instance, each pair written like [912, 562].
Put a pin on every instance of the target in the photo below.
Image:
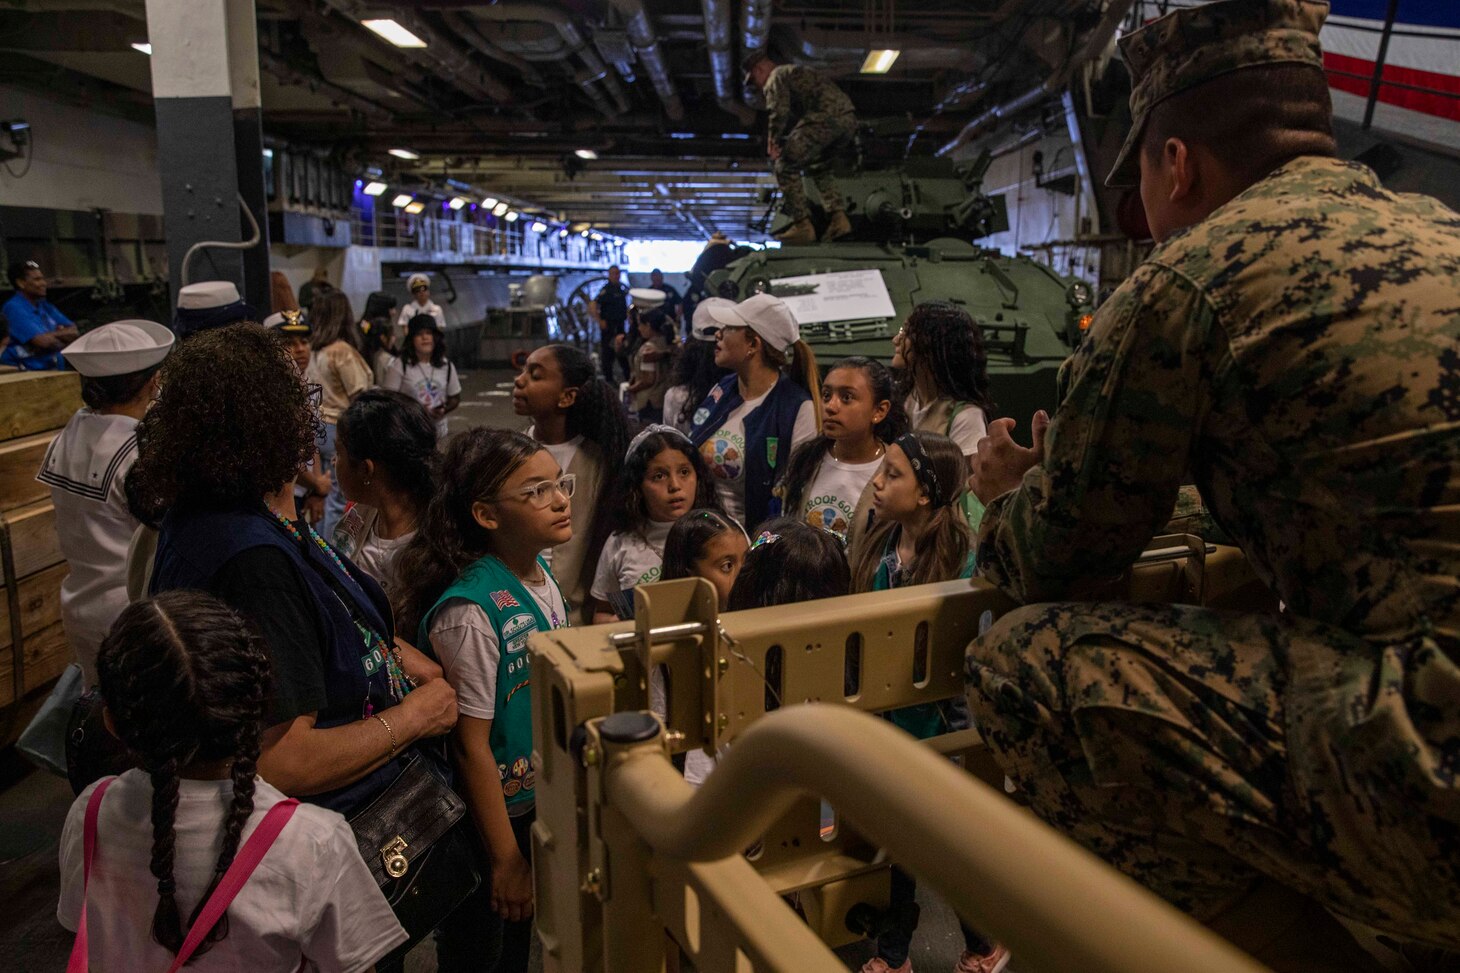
[750, 422]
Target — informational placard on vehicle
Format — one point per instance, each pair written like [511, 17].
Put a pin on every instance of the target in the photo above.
[849, 295]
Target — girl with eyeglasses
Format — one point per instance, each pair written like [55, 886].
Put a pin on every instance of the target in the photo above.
[478, 588]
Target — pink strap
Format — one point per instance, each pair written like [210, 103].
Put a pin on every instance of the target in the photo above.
[78, 961]
[247, 859]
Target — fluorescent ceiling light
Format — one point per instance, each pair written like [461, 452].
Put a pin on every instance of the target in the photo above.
[415, 207]
[879, 61]
[499, 210]
[144, 47]
[404, 199]
[374, 188]
[457, 202]
[394, 32]
[488, 203]
[588, 154]
[538, 226]
[406, 154]
[512, 216]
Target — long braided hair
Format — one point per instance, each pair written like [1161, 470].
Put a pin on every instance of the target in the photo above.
[185, 681]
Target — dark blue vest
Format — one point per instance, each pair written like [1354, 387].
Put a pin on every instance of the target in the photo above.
[775, 418]
[191, 549]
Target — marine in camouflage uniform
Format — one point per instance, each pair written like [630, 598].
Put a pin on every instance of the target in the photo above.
[811, 120]
[1298, 353]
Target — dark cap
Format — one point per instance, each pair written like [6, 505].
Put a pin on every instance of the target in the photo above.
[1189, 47]
[752, 58]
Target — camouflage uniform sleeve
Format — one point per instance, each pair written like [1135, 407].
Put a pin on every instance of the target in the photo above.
[1118, 448]
[778, 103]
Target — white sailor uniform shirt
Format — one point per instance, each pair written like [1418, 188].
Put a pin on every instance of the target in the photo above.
[86, 468]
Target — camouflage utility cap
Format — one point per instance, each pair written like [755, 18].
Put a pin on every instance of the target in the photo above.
[1188, 47]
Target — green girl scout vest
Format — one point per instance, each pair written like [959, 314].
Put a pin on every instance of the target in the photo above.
[514, 615]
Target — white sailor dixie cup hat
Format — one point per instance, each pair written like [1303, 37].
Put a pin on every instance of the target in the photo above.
[119, 348]
[647, 298]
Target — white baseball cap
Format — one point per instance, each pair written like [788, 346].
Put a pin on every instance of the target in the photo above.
[765, 314]
[119, 348]
[702, 326]
[647, 298]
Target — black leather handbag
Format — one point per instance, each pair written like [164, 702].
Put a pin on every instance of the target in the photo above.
[417, 841]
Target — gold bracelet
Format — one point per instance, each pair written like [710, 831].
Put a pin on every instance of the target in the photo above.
[388, 729]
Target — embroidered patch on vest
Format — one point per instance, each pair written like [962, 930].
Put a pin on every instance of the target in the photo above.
[504, 600]
[771, 444]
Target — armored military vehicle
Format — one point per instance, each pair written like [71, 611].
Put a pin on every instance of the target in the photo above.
[913, 230]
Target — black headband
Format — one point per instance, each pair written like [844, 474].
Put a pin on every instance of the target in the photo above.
[922, 467]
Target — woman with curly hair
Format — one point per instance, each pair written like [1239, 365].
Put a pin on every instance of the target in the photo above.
[185, 683]
[219, 451]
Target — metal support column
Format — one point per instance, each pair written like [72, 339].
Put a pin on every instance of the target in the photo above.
[209, 144]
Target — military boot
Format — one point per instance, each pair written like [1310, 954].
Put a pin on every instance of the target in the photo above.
[839, 227]
[798, 233]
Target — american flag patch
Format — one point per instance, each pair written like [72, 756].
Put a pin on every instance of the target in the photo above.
[504, 600]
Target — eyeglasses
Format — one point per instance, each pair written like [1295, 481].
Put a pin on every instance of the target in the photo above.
[541, 494]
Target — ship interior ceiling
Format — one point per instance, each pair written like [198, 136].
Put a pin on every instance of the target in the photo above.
[507, 98]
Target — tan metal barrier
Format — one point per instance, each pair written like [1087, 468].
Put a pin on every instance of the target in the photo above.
[625, 848]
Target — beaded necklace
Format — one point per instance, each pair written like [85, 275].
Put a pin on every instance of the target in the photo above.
[400, 684]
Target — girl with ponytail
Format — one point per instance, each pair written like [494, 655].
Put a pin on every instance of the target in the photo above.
[754, 418]
[580, 420]
[828, 482]
[185, 681]
[919, 536]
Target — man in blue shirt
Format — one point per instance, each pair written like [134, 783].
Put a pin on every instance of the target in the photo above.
[38, 330]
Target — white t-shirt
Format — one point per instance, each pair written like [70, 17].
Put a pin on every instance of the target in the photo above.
[355, 538]
[412, 308]
[674, 400]
[467, 648]
[969, 425]
[311, 899]
[86, 468]
[724, 451]
[380, 363]
[630, 558]
[428, 384]
[832, 494]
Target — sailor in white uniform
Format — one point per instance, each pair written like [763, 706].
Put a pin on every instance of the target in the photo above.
[86, 469]
[421, 303]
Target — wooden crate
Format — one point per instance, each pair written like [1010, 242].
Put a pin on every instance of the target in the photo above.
[47, 653]
[32, 402]
[33, 539]
[40, 603]
[20, 460]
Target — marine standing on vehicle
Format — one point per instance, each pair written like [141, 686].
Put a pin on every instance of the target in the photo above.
[811, 121]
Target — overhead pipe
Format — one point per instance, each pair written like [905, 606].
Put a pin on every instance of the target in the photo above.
[1053, 85]
[596, 70]
[755, 25]
[473, 37]
[448, 60]
[646, 45]
[722, 59]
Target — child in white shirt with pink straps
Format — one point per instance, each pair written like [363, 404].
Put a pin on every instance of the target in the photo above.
[149, 856]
